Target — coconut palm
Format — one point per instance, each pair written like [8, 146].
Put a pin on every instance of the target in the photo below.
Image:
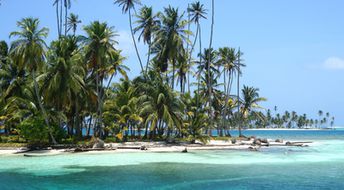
[28, 51]
[171, 37]
[209, 61]
[209, 58]
[56, 4]
[239, 64]
[127, 6]
[227, 59]
[147, 24]
[122, 109]
[67, 5]
[73, 21]
[250, 102]
[320, 113]
[63, 81]
[332, 122]
[183, 68]
[197, 12]
[99, 49]
[161, 108]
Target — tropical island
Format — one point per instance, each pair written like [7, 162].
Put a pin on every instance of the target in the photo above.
[63, 92]
[130, 94]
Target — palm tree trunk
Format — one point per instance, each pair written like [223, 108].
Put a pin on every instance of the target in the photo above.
[187, 50]
[148, 57]
[61, 8]
[209, 62]
[134, 41]
[89, 126]
[101, 110]
[238, 91]
[66, 14]
[78, 127]
[57, 17]
[199, 71]
[225, 106]
[42, 108]
[181, 85]
[97, 126]
[173, 73]
[194, 43]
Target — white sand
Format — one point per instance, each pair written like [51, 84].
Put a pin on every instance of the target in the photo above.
[151, 147]
[284, 129]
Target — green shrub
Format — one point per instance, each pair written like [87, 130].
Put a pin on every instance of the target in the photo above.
[110, 140]
[35, 131]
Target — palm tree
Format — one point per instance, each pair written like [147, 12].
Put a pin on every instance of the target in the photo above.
[127, 6]
[227, 59]
[239, 54]
[63, 81]
[209, 58]
[171, 37]
[122, 109]
[320, 113]
[332, 122]
[29, 51]
[250, 102]
[147, 24]
[67, 5]
[210, 46]
[183, 68]
[197, 12]
[327, 118]
[56, 4]
[160, 108]
[73, 21]
[99, 52]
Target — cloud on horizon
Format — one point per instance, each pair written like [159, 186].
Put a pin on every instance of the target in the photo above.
[334, 63]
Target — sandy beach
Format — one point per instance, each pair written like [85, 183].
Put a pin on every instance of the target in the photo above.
[245, 145]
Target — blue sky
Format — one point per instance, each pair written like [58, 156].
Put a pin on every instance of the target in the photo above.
[294, 50]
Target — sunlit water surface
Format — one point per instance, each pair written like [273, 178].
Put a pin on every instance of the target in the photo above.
[320, 166]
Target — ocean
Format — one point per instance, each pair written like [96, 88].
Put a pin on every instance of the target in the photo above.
[320, 166]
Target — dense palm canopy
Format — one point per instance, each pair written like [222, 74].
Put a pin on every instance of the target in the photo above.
[68, 85]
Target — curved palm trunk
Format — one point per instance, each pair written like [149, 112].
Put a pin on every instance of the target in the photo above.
[97, 132]
[238, 91]
[225, 106]
[57, 17]
[89, 126]
[66, 15]
[199, 71]
[173, 72]
[187, 50]
[148, 57]
[61, 8]
[134, 41]
[42, 108]
[208, 65]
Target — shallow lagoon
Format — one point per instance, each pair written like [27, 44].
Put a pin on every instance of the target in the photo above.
[320, 166]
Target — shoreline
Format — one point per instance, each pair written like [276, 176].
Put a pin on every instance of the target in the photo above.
[287, 129]
[158, 147]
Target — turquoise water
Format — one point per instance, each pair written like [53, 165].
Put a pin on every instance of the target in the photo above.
[320, 166]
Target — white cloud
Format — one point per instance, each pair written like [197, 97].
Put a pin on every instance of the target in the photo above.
[125, 43]
[334, 63]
